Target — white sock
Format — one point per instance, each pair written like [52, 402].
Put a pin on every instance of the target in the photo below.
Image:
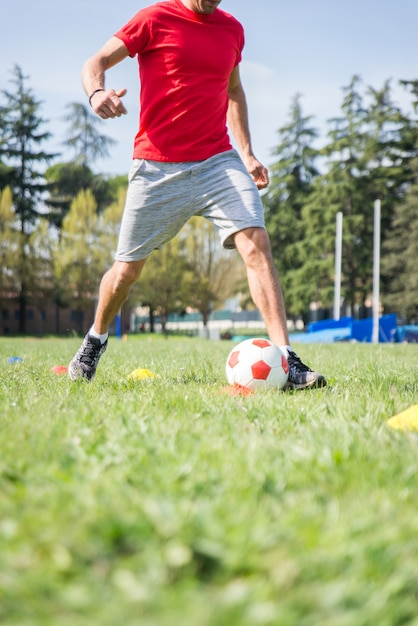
[286, 350]
[102, 338]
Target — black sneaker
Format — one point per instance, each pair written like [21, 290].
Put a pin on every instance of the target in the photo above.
[301, 376]
[85, 361]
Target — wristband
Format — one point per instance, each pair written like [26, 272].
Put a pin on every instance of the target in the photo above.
[91, 95]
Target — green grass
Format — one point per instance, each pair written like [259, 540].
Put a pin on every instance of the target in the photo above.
[170, 503]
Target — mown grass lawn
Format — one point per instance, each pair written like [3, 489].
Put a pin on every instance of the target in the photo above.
[171, 503]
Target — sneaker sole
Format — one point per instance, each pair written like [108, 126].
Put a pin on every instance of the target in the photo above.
[314, 384]
[78, 374]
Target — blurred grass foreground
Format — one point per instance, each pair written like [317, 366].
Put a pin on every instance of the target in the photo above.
[165, 501]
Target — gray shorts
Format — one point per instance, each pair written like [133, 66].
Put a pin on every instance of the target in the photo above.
[162, 197]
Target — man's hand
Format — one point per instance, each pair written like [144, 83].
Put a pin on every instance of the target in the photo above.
[258, 172]
[108, 104]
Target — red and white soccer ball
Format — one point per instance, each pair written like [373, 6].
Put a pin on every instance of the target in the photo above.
[257, 364]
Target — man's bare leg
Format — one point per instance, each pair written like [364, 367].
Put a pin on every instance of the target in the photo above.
[113, 292]
[254, 246]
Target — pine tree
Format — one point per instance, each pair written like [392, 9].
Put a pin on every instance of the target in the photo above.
[83, 136]
[399, 255]
[369, 151]
[292, 176]
[392, 145]
[21, 139]
[20, 147]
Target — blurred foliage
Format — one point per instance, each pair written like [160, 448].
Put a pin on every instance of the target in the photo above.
[369, 153]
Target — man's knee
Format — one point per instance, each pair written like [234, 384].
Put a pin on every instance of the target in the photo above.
[253, 243]
[126, 274]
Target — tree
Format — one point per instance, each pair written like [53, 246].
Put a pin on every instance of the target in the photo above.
[20, 145]
[66, 180]
[6, 176]
[343, 188]
[214, 273]
[292, 176]
[399, 254]
[412, 86]
[80, 260]
[368, 154]
[9, 247]
[41, 247]
[83, 136]
[109, 225]
[20, 141]
[392, 145]
[163, 283]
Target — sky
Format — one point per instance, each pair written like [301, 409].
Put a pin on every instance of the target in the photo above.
[306, 47]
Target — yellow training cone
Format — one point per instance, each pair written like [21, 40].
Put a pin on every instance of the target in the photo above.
[141, 374]
[406, 420]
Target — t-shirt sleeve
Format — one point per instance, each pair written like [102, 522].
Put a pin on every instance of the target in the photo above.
[241, 44]
[135, 34]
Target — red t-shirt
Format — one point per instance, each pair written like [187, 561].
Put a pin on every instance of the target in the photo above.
[185, 60]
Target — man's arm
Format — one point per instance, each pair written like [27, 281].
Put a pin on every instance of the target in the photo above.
[106, 103]
[239, 125]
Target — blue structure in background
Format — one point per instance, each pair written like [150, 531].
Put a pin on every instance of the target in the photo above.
[362, 329]
[408, 334]
[118, 328]
[324, 331]
[349, 329]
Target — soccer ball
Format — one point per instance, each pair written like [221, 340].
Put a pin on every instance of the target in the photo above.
[257, 364]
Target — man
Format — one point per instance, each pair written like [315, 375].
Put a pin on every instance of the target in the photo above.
[184, 164]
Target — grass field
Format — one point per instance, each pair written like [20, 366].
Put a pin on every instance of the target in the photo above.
[171, 503]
